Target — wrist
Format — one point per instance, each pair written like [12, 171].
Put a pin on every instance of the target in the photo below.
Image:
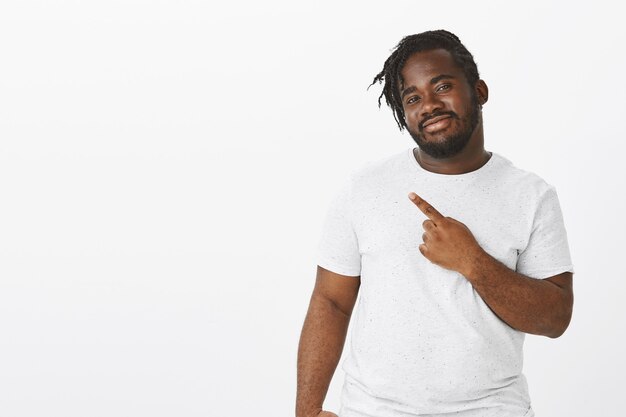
[311, 412]
[475, 264]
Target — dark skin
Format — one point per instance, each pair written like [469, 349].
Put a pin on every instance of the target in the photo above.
[451, 92]
[536, 306]
[322, 339]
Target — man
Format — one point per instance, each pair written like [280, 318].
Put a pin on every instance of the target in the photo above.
[456, 254]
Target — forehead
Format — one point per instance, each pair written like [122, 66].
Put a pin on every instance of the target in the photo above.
[421, 67]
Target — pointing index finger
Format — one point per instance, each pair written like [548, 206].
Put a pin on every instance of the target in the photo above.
[425, 207]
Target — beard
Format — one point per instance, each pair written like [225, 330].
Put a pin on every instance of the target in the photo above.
[456, 142]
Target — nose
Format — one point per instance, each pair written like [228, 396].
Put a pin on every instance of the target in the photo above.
[430, 104]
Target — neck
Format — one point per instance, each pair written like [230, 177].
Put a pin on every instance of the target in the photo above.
[472, 157]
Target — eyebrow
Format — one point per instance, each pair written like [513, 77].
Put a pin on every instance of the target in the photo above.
[434, 80]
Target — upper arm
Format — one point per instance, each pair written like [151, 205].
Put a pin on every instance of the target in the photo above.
[547, 249]
[565, 307]
[341, 290]
[563, 281]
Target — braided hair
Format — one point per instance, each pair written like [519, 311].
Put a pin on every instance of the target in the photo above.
[425, 41]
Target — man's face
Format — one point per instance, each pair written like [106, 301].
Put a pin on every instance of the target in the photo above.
[441, 109]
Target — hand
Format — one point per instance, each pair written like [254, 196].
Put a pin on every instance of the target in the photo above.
[321, 413]
[447, 242]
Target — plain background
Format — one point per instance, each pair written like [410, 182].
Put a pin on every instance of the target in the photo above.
[165, 168]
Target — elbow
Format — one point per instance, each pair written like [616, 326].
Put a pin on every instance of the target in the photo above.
[556, 332]
[557, 327]
[562, 302]
[563, 319]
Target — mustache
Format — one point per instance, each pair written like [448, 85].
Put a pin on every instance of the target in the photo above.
[432, 116]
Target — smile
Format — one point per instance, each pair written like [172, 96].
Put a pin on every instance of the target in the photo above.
[437, 123]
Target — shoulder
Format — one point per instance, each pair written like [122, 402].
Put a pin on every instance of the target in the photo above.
[370, 175]
[379, 171]
[528, 184]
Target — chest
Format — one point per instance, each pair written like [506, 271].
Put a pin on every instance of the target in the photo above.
[388, 225]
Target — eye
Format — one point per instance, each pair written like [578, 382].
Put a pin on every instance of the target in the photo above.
[412, 100]
[443, 87]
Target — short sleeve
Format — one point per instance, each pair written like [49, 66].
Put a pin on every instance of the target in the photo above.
[547, 252]
[338, 249]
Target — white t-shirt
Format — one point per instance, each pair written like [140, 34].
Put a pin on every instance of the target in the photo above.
[423, 342]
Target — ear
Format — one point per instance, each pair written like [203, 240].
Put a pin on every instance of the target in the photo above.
[482, 92]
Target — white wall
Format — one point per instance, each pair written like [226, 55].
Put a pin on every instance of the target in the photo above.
[165, 167]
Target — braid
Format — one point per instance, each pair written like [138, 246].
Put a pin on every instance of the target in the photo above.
[391, 78]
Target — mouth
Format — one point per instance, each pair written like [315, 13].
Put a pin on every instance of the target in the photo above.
[437, 123]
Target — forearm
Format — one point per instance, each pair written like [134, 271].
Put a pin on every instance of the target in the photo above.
[321, 343]
[527, 304]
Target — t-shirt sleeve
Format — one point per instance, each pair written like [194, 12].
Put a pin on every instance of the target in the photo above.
[338, 249]
[547, 252]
